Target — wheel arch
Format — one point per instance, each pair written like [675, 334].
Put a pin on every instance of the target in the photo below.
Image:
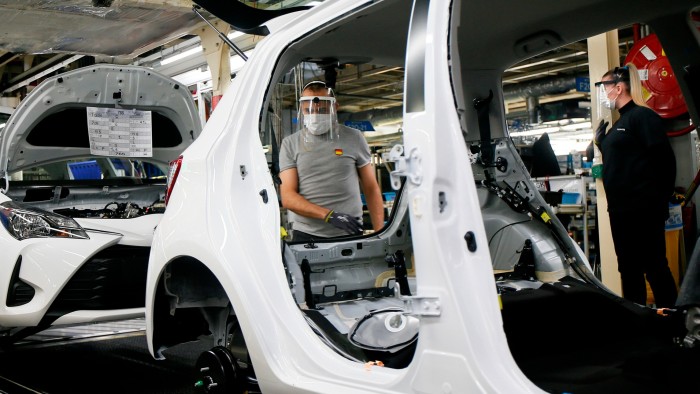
[189, 302]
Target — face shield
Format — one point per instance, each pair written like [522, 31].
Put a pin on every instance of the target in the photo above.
[318, 119]
[605, 105]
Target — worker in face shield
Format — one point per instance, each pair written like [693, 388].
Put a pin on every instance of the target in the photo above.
[639, 172]
[324, 168]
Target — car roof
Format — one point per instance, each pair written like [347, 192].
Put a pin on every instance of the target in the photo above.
[497, 34]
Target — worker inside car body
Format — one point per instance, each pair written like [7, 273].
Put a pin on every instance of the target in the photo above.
[322, 168]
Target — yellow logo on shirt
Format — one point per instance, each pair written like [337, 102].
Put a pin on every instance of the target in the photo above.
[338, 152]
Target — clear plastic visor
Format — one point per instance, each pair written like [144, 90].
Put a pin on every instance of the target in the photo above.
[317, 116]
[604, 104]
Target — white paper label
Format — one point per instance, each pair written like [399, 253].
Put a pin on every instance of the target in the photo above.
[643, 75]
[648, 53]
[120, 132]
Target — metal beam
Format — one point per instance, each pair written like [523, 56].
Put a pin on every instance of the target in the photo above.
[41, 74]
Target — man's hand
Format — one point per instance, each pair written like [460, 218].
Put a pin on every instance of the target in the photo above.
[600, 132]
[344, 222]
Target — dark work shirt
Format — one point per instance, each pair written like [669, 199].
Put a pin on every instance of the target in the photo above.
[639, 167]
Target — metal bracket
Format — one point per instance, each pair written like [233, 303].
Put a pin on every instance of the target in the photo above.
[57, 194]
[418, 305]
[408, 166]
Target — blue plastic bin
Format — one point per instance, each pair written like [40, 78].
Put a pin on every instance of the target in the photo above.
[85, 170]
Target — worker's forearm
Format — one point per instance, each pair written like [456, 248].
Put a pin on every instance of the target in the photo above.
[296, 203]
[376, 209]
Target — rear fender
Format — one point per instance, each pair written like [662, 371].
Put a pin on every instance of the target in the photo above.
[189, 302]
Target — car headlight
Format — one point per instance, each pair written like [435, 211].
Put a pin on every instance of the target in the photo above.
[24, 222]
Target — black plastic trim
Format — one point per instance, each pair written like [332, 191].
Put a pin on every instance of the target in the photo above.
[18, 292]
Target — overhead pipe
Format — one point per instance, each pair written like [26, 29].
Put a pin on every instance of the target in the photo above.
[361, 97]
[532, 103]
[378, 117]
[540, 87]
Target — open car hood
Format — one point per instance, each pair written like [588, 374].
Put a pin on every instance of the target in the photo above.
[51, 124]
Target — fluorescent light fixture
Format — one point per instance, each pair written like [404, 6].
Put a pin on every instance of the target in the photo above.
[534, 131]
[182, 55]
[314, 3]
[548, 129]
[576, 126]
[528, 133]
[193, 76]
[564, 147]
[196, 50]
[197, 75]
[235, 34]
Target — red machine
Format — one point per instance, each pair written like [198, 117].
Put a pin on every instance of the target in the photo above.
[660, 88]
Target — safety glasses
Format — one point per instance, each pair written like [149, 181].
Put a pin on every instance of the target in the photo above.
[611, 82]
[619, 74]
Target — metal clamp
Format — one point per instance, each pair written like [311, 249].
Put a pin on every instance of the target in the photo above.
[418, 305]
[408, 166]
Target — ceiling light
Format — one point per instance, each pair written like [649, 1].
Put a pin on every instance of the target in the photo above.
[202, 74]
[534, 132]
[181, 55]
[235, 34]
[576, 126]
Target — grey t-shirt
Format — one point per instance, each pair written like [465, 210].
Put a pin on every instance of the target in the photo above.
[327, 176]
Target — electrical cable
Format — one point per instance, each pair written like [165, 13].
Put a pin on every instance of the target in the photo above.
[506, 226]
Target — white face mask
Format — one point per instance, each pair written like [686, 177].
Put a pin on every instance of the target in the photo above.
[603, 101]
[317, 124]
[609, 103]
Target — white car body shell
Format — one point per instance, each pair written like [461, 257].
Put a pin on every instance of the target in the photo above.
[216, 216]
[236, 236]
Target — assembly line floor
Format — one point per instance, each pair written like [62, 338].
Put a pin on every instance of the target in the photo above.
[97, 358]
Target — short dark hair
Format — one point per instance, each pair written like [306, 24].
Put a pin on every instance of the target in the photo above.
[316, 86]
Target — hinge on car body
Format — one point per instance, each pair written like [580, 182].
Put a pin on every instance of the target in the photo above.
[408, 166]
[418, 305]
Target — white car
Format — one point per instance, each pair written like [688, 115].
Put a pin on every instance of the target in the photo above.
[77, 209]
[493, 295]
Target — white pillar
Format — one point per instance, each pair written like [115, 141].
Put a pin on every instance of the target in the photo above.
[603, 55]
[218, 58]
